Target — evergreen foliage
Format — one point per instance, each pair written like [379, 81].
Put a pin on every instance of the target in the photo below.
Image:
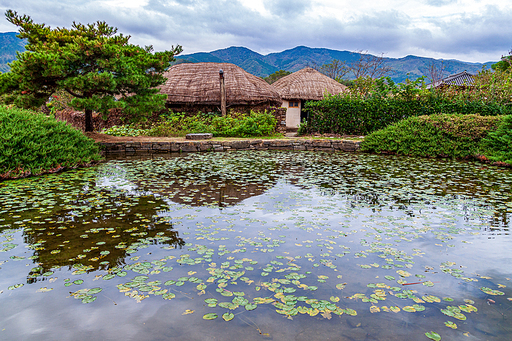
[498, 144]
[274, 77]
[32, 144]
[437, 135]
[97, 66]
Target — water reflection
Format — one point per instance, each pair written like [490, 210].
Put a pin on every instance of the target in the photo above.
[100, 238]
[285, 241]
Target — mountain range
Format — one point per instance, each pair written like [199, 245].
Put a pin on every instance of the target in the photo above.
[291, 60]
[299, 57]
[9, 45]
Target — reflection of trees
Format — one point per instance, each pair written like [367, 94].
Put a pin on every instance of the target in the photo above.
[214, 191]
[96, 238]
[221, 184]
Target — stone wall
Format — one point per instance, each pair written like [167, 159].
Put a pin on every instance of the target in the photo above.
[280, 115]
[219, 146]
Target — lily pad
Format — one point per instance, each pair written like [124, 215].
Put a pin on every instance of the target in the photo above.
[210, 316]
[433, 336]
[228, 316]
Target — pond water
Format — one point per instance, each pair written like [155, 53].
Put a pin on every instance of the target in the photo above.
[258, 246]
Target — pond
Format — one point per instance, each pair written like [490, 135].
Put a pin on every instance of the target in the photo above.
[268, 245]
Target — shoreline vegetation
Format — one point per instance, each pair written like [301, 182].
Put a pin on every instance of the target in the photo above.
[33, 144]
[93, 69]
[485, 138]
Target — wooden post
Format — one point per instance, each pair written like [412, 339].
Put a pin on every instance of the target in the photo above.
[222, 93]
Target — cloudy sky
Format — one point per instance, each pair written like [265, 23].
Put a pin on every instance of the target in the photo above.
[468, 30]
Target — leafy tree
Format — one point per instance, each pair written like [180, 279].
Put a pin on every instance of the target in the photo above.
[94, 64]
[504, 64]
[274, 77]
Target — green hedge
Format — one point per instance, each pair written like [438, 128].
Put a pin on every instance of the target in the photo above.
[436, 135]
[353, 115]
[374, 104]
[32, 144]
[498, 144]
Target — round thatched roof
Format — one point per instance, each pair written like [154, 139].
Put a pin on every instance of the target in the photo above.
[198, 83]
[307, 84]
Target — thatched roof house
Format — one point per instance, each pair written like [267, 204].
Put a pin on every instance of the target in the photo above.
[196, 86]
[304, 85]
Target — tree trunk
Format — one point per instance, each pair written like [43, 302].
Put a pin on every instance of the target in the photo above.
[88, 120]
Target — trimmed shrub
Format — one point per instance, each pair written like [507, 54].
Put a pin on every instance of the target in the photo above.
[498, 144]
[439, 135]
[33, 144]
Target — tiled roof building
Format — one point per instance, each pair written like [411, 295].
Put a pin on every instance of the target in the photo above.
[458, 79]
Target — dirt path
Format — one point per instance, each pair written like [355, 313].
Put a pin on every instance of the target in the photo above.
[111, 139]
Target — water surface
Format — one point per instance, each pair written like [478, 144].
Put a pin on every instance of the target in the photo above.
[282, 245]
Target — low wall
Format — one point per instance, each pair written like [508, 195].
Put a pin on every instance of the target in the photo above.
[220, 146]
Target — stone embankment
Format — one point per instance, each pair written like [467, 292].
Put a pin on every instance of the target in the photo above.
[133, 147]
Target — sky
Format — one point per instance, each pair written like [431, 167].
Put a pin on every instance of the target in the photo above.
[467, 30]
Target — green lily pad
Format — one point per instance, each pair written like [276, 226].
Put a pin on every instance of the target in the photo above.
[210, 316]
[210, 300]
[251, 306]
[450, 324]
[228, 316]
[89, 299]
[433, 336]
[490, 291]
[94, 291]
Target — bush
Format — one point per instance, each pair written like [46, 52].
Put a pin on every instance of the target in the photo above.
[126, 130]
[375, 104]
[33, 144]
[237, 125]
[498, 144]
[443, 135]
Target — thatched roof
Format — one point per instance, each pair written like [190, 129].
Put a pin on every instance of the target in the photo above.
[307, 84]
[198, 83]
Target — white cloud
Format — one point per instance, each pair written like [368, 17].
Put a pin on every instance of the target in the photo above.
[471, 30]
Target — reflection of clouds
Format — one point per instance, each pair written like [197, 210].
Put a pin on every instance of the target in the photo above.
[114, 178]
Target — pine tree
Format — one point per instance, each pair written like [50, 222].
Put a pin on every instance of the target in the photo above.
[97, 66]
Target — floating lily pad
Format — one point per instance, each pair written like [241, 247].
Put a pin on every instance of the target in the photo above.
[94, 291]
[89, 299]
[228, 316]
[450, 324]
[433, 336]
[210, 316]
[490, 291]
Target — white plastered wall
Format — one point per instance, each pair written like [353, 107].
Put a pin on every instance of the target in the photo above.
[292, 114]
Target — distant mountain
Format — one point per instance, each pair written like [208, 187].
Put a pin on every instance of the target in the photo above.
[289, 60]
[299, 57]
[9, 45]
